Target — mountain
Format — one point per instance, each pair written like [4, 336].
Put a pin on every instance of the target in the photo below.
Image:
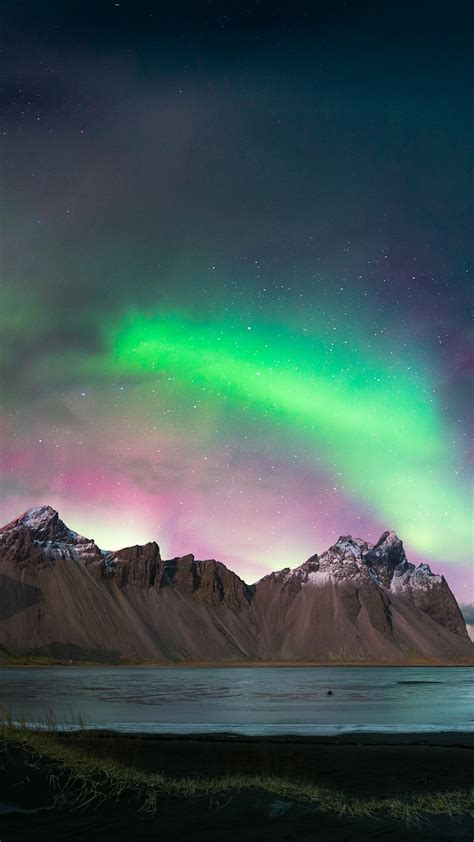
[61, 595]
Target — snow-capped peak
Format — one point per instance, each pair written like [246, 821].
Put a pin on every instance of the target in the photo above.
[389, 537]
[48, 532]
[38, 517]
[348, 544]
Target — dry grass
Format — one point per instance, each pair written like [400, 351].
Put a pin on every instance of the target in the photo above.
[82, 780]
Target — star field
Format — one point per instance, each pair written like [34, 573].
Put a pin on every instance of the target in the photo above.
[237, 261]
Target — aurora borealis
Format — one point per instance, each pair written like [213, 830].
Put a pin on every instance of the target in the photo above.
[236, 278]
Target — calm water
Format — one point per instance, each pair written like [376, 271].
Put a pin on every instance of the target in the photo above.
[261, 700]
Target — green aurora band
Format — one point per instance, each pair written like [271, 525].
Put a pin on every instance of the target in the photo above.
[371, 422]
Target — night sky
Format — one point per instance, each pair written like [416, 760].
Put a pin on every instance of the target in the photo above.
[236, 275]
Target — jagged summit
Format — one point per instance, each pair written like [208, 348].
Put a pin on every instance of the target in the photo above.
[348, 556]
[346, 543]
[60, 593]
[388, 561]
[39, 516]
[387, 551]
[43, 522]
[356, 561]
[42, 527]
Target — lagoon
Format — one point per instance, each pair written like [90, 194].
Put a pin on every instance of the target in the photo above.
[254, 701]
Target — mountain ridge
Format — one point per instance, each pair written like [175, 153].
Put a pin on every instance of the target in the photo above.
[354, 602]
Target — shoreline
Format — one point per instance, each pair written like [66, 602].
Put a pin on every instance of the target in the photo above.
[235, 664]
[460, 739]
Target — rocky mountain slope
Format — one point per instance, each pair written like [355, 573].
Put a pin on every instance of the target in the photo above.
[61, 595]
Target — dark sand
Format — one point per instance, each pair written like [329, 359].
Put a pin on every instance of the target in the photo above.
[363, 765]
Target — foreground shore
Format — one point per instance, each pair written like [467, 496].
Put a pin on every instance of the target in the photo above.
[376, 768]
[365, 764]
[20, 662]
